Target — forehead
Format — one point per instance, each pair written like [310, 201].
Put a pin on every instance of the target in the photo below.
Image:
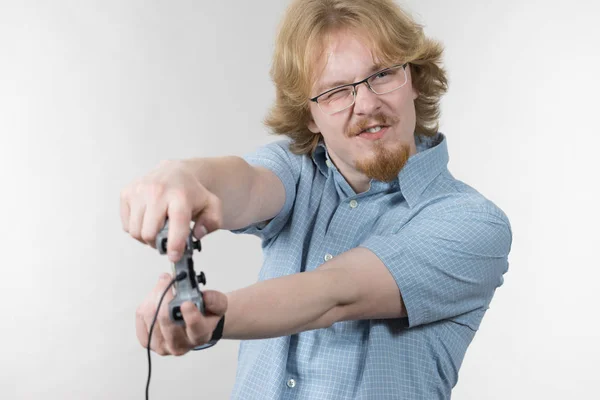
[344, 58]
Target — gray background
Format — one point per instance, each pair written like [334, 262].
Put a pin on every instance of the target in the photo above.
[95, 93]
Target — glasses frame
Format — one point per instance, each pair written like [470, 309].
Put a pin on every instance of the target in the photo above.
[355, 84]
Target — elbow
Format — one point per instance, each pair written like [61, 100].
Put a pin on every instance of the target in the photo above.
[327, 319]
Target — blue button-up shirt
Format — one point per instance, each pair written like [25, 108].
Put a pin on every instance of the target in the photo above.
[444, 243]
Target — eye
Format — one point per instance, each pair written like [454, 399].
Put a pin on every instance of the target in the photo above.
[337, 95]
[383, 74]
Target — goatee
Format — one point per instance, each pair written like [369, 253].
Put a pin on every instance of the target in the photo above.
[386, 163]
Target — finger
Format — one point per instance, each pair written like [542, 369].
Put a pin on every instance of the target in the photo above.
[199, 229]
[180, 216]
[197, 327]
[176, 342]
[141, 329]
[148, 312]
[157, 341]
[210, 219]
[136, 219]
[124, 209]
[144, 320]
[215, 302]
[154, 221]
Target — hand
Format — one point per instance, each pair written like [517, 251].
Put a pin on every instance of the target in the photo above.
[169, 338]
[170, 190]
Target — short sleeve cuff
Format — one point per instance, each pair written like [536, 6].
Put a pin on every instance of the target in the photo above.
[267, 229]
[396, 257]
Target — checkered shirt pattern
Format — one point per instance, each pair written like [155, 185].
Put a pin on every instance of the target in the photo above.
[444, 243]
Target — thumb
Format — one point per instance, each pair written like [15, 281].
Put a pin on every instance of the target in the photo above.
[210, 218]
[215, 302]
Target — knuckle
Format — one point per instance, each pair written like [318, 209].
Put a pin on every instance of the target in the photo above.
[146, 314]
[136, 235]
[179, 351]
[139, 312]
[148, 236]
[161, 351]
[125, 193]
[134, 231]
[180, 203]
[139, 187]
[179, 194]
[198, 339]
[155, 189]
[218, 213]
[224, 302]
[194, 322]
[164, 277]
[216, 202]
[175, 348]
[163, 315]
[163, 319]
[129, 190]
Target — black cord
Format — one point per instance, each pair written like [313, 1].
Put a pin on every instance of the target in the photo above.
[182, 275]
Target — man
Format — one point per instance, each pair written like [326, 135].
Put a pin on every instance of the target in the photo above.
[378, 264]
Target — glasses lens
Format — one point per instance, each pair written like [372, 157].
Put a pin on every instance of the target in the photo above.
[388, 80]
[337, 100]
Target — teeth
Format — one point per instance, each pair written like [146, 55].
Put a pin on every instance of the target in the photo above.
[374, 129]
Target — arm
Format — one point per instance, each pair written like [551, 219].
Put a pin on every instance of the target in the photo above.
[241, 188]
[447, 267]
[215, 193]
[354, 285]
[437, 268]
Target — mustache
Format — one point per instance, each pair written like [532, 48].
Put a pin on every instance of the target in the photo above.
[377, 119]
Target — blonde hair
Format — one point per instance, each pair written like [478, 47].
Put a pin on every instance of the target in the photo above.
[395, 37]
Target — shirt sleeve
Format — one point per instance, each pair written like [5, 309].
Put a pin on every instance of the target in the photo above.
[447, 266]
[278, 158]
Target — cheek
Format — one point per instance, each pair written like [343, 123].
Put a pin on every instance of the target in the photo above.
[407, 104]
[330, 126]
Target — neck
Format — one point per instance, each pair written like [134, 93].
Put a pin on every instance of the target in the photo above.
[359, 179]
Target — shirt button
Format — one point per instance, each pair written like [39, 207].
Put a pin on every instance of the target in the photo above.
[353, 203]
[328, 163]
[291, 383]
[328, 257]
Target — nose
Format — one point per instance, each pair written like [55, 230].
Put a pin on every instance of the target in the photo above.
[366, 102]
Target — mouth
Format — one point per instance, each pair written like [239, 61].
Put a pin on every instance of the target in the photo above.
[374, 132]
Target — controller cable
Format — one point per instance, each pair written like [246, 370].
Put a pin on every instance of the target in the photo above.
[181, 276]
[217, 334]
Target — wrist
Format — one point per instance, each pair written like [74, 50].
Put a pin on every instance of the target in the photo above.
[216, 335]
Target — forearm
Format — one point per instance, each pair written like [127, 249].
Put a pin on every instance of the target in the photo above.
[283, 306]
[234, 182]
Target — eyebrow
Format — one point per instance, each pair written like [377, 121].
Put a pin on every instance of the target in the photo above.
[327, 86]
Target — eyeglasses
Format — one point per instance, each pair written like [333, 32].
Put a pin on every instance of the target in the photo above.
[381, 82]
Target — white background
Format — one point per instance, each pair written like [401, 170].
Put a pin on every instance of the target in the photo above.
[95, 93]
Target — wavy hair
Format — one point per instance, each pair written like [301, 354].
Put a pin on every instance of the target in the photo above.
[395, 38]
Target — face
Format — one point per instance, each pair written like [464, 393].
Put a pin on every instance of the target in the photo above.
[358, 154]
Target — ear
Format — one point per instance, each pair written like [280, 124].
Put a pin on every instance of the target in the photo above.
[415, 93]
[312, 126]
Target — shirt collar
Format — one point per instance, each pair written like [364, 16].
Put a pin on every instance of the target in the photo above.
[420, 170]
[320, 156]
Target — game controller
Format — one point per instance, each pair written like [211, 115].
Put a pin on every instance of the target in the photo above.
[187, 288]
